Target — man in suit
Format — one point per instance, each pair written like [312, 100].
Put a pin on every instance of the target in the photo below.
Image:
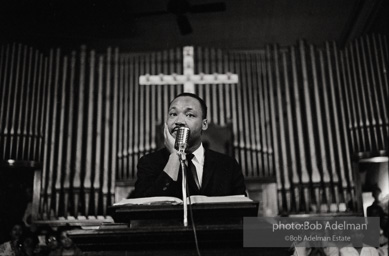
[215, 174]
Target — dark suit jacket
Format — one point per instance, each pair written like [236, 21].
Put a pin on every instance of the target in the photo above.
[222, 176]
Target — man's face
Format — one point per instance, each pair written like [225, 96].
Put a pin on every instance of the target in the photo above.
[65, 240]
[16, 232]
[187, 111]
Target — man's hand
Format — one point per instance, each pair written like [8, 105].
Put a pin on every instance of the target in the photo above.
[173, 164]
[169, 140]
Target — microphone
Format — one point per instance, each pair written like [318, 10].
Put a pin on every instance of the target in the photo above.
[182, 137]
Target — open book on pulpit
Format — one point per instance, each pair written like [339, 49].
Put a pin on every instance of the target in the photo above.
[195, 199]
[210, 208]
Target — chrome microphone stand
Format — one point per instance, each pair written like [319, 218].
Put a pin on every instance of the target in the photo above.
[182, 157]
[181, 144]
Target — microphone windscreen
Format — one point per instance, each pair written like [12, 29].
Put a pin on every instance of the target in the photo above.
[182, 137]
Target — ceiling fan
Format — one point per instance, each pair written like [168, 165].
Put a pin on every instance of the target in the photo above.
[180, 8]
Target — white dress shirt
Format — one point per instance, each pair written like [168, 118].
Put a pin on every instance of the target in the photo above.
[198, 162]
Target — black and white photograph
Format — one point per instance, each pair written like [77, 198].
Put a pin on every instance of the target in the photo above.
[193, 127]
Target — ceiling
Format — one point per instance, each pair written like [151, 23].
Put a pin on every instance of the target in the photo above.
[245, 24]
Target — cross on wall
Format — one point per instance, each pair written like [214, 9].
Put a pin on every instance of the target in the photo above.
[188, 79]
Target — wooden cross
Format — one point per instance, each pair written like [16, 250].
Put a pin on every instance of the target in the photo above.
[189, 79]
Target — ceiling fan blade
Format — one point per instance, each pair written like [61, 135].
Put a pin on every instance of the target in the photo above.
[211, 7]
[149, 14]
[184, 25]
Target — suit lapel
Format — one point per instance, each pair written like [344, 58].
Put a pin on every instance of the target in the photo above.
[208, 170]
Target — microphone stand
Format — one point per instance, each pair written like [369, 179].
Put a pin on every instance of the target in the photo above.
[182, 157]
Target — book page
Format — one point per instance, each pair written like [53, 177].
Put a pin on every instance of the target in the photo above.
[157, 200]
[198, 199]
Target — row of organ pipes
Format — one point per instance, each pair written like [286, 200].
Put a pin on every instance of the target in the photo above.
[299, 115]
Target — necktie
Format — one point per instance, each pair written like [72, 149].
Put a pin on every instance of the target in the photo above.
[192, 169]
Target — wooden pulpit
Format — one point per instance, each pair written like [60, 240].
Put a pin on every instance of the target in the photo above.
[158, 230]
